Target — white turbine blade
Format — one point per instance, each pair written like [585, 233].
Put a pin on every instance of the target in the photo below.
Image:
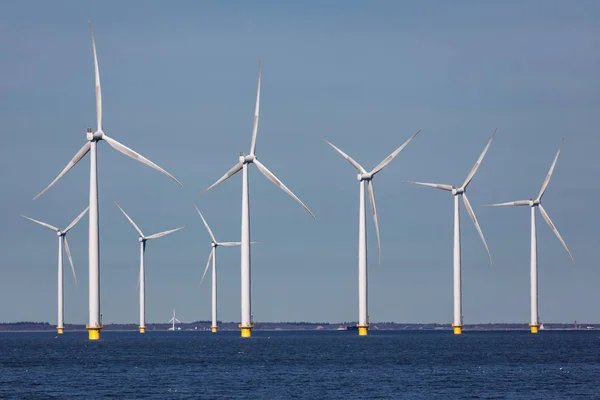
[136, 156]
[280, 184]
[433, 185]
[478, 163]
[374, 210]
[98, 89]
[510, 203]
[75, 221]
[176, 320]
[389, 158]
[474, 218]
[356, 165]
[234, 170]
[68, 251]
[255, 125]
[52, 228]
[229, 244]
[80, 154]
[549, 175]
[165, 233]
[210, 256]
[551, 225]
[139, 231]
[206, 225]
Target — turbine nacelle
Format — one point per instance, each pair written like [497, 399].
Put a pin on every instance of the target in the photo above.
[142, 239]
[249, 159]
[534, 203]
[456, 191]
[214, 244]
[364, 176]
[94, 136]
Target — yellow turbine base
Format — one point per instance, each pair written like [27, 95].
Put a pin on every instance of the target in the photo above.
[534, 328]
[142, 329]
[363, 330]
[94, 332]
[213, 329]
[246, 330]
[60, 330]
[457, 329]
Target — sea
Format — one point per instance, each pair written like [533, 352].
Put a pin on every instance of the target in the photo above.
[301, 365]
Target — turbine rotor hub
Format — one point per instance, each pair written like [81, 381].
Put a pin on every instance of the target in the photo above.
[456, 191]
[142, 239]
[213, 244]
[94, 136]
[249, 159]
[364, 176]
[59, 233]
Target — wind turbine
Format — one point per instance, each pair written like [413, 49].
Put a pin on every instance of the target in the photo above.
[533, 204]
[173, 320]
[62, 238]
[364, 176]
[213, 257]
[246, 324]
[94, 324]
[461, 192]
[143, 238]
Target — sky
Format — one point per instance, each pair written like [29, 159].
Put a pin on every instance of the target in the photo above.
[179, 85]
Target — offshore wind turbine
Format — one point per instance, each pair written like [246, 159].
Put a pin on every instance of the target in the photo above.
[457, 323]
[143, 239]
[364, 176]
[173, 320]
[62, 238]
[213, 257]
[94, 324]
[244, 161]
[534, 324]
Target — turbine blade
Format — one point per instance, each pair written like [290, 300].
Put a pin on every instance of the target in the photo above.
[68, 251]
[433, 185]
[235, 169]
[76, 220]
[98, 89]
[52, 228]
[549, 175]
[206, 225]
[551, 225]
[389, 158]
[374, 210]
[255, 125]
[474, 218]
[176, 320]
[356, 165]
[80, 154]
[139, 231]
[229, 244]
[478, 163]
[136, 156]
[280, 184]
[210, 256]
[165, 233]
[510, 203]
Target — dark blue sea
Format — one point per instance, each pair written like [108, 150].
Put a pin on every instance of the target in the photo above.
[301, 365]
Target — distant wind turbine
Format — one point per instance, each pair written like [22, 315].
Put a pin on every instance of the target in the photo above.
[246, 324]
[537, 203]
[94, 324]
[461, 192]
[62, 238]
[364, 176]
[173, 320]
[143, 238]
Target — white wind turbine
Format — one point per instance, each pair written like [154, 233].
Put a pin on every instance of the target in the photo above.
[243, 163]
[142, 278]
[94, 324]
[537, 203]
[461, 192]
[213, 257]
[173, 320]
[62, 238]
[364, 176]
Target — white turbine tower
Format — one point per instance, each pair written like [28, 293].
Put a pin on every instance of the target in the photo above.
[246, 324]
[364, 176]
[213, 257]
[457, 323]
[62, 237]
[533, 204]
[173, 320]
[94, 324]
[143, 238]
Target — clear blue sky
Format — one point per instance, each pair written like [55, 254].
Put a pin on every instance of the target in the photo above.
[179, 82]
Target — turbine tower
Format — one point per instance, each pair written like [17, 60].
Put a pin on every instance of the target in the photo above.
[94, 324]
[213, 257]
[62, 238]
[246, 324]
[457, 323]
[143, 238]
[534, 324]
[364, 176]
